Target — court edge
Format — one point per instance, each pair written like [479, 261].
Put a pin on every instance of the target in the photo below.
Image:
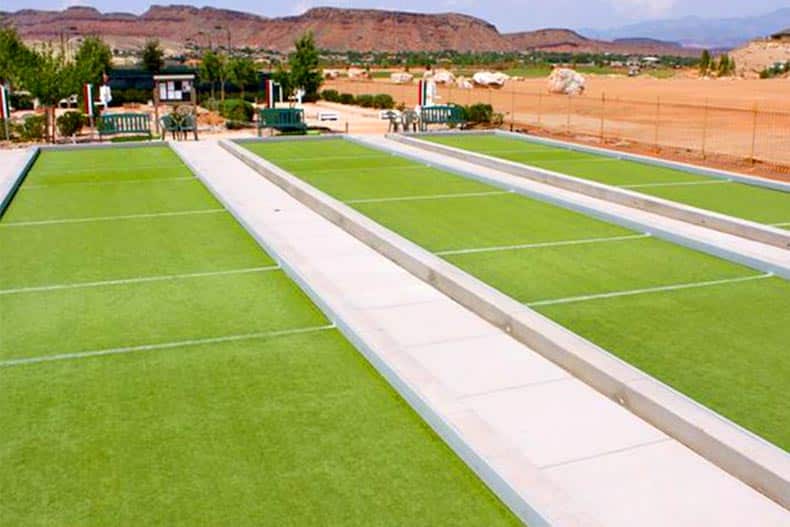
[623, 196]
[734, 449]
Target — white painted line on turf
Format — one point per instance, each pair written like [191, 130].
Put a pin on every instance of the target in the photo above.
[102, 168]
[164, 345]
[632, 292]
[101, 183]
[275, 160]
[405, 165]
[678, 183]
[137, 280]
[582, 241]
[431, 197]
[110, 218]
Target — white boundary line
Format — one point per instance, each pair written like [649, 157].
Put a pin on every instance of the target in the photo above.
[100, 183]
[109, 218]
[632, 292]
[163, 345]
[326, 158]
[359, 169]
[678, 183]
[138, 280]
[102, 168]
[582, 241]
[431, 197]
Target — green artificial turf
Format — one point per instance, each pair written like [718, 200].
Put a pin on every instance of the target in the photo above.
[151, 424]
[688, 338]
[749, 202]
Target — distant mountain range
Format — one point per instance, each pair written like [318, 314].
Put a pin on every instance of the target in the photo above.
[701, 32]
[178, 26]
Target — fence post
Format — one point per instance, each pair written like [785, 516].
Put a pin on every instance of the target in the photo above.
[512, 108]
[603, 113]
[705, 128]
[568, 117]
[658, 119]
[540, 108]
[754, 132]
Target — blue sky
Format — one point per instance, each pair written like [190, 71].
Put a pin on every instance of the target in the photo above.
[508, 15]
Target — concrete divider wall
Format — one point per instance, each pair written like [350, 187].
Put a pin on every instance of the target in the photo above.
[9, 185]
[721, 222]
[739, 452]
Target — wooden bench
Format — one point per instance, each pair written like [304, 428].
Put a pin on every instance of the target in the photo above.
[282, 120]
[445, 114]
[124, 124]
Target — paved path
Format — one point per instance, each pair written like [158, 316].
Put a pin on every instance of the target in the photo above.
[775, 259]
[573, 455]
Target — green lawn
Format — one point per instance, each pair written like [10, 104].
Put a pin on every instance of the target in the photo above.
[719, 335]
[749, 202]
[157, 368]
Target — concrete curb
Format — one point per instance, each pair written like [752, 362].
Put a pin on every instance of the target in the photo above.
[710, 245]
[630, 198]
[737, 451]
[542, 507]
[9, 187]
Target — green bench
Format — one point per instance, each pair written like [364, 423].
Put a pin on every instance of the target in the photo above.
[124, 124]
[444, 114]
[282, 120]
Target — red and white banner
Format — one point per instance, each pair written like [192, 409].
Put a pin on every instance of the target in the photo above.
[87, 97]
[269, 89]
[5, 104]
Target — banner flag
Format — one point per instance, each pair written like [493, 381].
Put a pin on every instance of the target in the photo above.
[87, 96]
[5, 105]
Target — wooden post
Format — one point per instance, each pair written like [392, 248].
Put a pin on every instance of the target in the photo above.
[603, 113]
[754, 132]
[156, 107]
[705, 128]
[658, 119]
[512, 109]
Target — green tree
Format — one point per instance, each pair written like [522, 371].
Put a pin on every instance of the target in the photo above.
[50, 78]
[92, 59]
[704, 62]
[724, 65]
[242, 72]
[15, 57]
[210, 66]
[304, 66]
[153, 56]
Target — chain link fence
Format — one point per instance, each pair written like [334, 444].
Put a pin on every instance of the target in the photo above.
[703, 128]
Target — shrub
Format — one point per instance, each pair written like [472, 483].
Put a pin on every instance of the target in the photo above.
[236, 110]
[346, 98]
[365, 101]
[479, 113]
[10, 130]
[237, 125]
[21, 101]
[130, 95]
[32, 128]
[70, 123]
[383, 101]
[330, 95]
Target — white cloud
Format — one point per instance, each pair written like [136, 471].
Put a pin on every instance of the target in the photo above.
[647, 8]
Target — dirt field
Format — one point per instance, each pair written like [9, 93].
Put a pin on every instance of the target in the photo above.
[733, 120]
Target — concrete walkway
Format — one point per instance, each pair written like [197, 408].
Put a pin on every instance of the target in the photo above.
[554, 449]
[759, 255]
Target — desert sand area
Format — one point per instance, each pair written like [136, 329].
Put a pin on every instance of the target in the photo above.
[735, 121]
